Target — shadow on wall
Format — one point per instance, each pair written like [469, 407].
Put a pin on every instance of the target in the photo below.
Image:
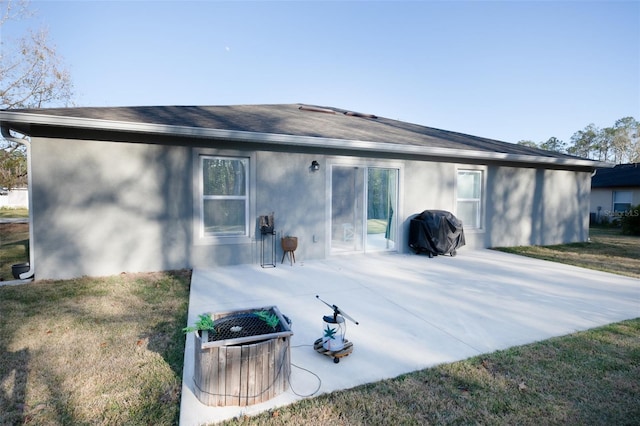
[418, 197]
[296, 196]
[110, 207]
[536, 207]
[105, 207]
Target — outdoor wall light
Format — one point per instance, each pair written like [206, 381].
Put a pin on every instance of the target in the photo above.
[315, 166]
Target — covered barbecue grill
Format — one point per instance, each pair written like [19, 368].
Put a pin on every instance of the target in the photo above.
[435, 232]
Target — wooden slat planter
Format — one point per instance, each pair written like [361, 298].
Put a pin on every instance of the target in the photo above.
[230, 373]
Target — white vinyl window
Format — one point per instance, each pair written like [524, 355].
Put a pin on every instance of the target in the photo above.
[622, 201]
[469, 198]
[225, 196]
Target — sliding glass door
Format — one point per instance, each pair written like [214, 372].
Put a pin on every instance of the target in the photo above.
[363, 205]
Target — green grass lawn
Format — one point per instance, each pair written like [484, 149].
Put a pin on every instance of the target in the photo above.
[14, 241]
[608, 250]
[14, 247]
[6, 212]
[376, 226]
[592, 377]
[101, 351]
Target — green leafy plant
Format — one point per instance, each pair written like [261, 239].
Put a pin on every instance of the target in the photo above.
[205, 322]
[269, 317]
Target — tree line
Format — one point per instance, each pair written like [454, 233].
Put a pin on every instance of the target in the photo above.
[617, 144]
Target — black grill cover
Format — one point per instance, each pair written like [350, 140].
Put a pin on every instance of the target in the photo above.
[435, 232]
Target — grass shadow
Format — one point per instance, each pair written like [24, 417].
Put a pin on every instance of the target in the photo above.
[14, 369]
[107, 350]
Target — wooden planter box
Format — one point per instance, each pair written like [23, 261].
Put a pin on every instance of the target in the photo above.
[242, 371]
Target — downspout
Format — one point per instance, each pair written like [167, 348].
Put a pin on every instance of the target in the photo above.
[6, 133]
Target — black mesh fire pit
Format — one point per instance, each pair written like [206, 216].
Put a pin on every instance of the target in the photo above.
[240, 327]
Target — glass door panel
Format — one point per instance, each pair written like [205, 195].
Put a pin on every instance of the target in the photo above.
[347, 213]
[382, 188]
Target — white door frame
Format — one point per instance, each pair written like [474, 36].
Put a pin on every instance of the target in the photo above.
[365, 164]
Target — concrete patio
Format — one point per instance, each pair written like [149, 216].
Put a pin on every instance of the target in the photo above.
[414, 312]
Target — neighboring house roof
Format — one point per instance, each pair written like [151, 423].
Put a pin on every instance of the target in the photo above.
[622, 175]
[290, 124]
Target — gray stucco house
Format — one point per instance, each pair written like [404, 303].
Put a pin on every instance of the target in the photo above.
[168, 187]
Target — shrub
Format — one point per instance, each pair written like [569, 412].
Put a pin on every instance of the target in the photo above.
[631, 221]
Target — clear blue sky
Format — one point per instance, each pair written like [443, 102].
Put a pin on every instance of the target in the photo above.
[508, 70]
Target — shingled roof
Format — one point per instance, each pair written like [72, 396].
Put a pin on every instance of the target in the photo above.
[285, 123]
[622, 175]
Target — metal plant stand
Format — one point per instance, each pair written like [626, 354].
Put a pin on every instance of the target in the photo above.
[268, 256]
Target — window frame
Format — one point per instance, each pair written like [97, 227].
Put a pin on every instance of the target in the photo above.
[200, 236]
[628, 194]
[479, 225]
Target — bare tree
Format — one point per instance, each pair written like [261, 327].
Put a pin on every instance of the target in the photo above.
[31, 76]
[11, 10]
[31, 73]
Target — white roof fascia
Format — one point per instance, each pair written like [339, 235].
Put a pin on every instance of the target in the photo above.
[283, 139]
